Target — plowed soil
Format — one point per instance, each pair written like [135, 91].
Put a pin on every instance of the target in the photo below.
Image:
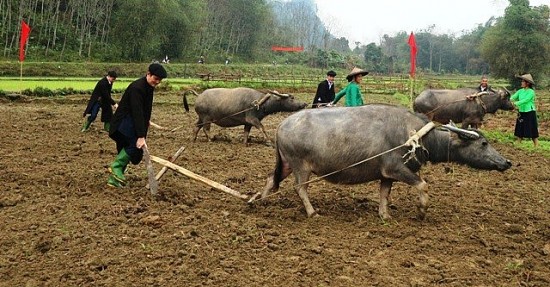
[60, 225]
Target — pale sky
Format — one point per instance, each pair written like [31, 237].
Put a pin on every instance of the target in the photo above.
[367, 21]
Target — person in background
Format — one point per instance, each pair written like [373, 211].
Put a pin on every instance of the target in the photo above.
[131, 121]
[325, 91]
[484, 85]
[100, 98]
[524, 100]
[353, 90]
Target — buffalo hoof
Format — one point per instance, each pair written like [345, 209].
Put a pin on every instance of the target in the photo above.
[313, 214]
[421, 213]
[385, 216]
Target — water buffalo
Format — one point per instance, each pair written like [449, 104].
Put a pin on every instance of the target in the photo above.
[445, 105]
[240, 106]
[334, 143]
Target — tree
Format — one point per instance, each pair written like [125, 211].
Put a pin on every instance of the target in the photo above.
[519, 42]
[373, 58]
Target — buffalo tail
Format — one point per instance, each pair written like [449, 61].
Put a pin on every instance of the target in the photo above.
[185, 103]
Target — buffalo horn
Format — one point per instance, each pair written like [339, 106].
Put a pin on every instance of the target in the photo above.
[481, 94]
[278, 94]
[467, 133]
[507, 91]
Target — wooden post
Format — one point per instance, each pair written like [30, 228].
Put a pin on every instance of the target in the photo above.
[197, 177]
[164, 168]
[21, 78]
[411, 91]
[153, 183]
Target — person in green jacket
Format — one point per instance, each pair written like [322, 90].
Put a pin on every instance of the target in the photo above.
[352, 91]
[524, 100]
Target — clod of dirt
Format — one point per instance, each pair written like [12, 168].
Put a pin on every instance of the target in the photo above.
[546, 249]
[514, 229]
[43, 246]
[152, 220]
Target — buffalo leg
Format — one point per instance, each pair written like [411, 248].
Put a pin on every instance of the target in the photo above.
[206, 130]
[275, 178]
[424, 198]
[257, 124]
[196, 129]
[385, 189]
[405, 175]
[301, 189]
[247, 129]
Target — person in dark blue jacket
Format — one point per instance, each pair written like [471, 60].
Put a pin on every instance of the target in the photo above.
[130, 122]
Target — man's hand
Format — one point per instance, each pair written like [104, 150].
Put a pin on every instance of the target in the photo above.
[140, 142]
[115, 106]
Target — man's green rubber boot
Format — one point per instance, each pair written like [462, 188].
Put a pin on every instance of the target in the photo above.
[119, 165]
[113, 182]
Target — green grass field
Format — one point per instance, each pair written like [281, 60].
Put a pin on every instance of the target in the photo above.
[15, 85]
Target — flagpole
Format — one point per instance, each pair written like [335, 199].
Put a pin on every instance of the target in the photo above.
[411, 92]
[25, 30]
[412, 81]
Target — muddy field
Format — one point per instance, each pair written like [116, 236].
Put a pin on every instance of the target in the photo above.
[62, 226]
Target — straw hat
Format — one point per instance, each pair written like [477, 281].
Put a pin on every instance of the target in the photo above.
[356, 71]
[526, 77]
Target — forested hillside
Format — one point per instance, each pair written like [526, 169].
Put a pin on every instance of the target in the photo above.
[245, 31]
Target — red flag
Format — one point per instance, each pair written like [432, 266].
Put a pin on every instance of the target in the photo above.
[25, 30]
[412, 44]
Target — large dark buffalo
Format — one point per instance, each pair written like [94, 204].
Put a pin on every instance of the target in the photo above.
[240, 106]
[332, 141]
[445, 105]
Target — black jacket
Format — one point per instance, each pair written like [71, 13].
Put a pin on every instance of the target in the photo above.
[489, 89]
[102, 94]
[134, 108]
[324, 95]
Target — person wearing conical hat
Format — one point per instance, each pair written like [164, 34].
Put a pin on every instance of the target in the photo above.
[524, 100]
[353, 90]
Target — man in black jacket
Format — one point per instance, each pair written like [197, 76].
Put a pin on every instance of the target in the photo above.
[325, 91]
[101, 98]
[130, 122]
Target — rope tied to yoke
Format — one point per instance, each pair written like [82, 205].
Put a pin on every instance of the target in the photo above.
[258, 103]
[414, 141]
[477, 98]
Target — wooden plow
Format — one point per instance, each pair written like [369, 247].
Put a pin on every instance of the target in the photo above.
[170, 164]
